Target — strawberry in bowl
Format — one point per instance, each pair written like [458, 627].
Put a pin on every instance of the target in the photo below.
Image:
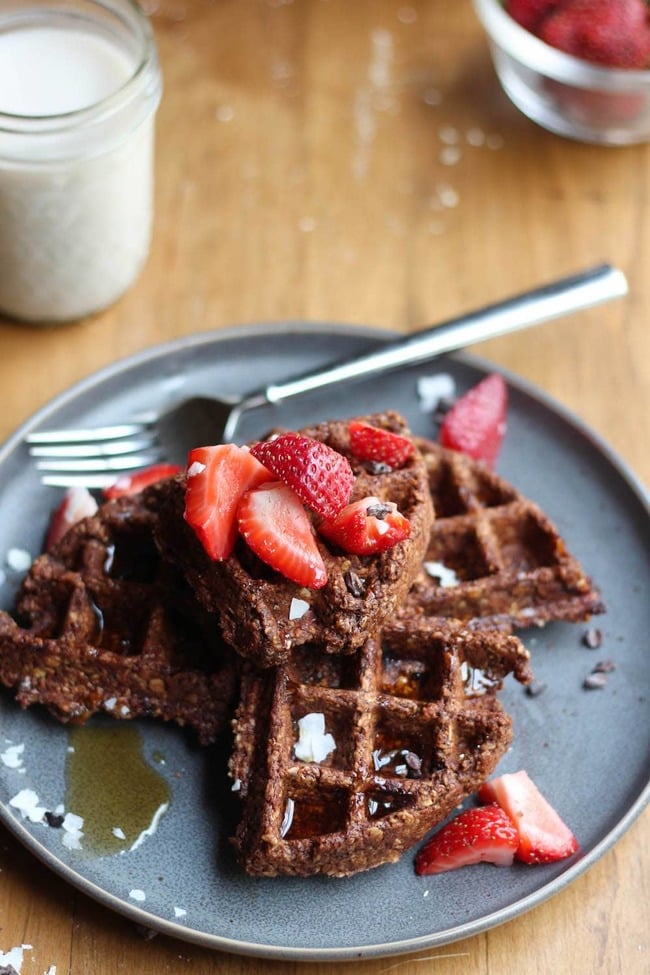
[580, 68]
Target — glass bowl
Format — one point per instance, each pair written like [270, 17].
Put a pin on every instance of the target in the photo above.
[562, 93]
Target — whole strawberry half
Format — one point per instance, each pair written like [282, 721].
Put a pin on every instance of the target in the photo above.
[482, 835]
[216, 479]
[366, 527]
[543, 836]
[379, 445]
[77, 503]
[613, 33]
[320, 476]
[476, 423]
[127, 484]
[530, 13]
[275, 525]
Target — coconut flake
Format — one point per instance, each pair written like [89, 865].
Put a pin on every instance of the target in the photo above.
[26, 802]
[314, 744]
[72, 831]
[179, 912]
[153, 826]
[287, 819]
[12, 756]
[432, 389]
[137, 895]
[298, 608]
[196, 467]
[18, 559]
[14, 958]
[445, 576]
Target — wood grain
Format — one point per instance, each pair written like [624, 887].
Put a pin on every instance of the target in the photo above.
[357, 161]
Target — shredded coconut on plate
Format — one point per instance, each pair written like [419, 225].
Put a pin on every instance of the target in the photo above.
[11, 757]
[432, 389]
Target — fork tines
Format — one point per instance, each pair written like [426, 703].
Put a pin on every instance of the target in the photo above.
[93, 457]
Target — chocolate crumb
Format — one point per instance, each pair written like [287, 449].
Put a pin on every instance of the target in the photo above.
[595, 682]
[443, 406]
[147, 933]
[604, 667]
[354, 584]
[377, 467]
[8, 970]
[377, 511]
[53, 819]
[593, 638]
[535, 688]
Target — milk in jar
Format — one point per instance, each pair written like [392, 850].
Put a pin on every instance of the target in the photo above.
[79, 86]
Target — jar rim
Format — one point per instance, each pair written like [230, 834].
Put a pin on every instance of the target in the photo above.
[51, 123]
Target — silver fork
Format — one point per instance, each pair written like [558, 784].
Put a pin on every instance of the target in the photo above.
[94, 457]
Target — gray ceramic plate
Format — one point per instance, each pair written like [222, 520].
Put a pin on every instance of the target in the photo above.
[181, 879]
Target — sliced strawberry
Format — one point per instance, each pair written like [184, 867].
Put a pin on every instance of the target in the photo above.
[543, 836]
[77, 503]
[476, 423]
[132, 483]
[474, 836]
[379, 445]
[277, 528]
[366, 527]
[320, 476]
[217, 477]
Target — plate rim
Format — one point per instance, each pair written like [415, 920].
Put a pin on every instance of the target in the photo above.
[140, 916]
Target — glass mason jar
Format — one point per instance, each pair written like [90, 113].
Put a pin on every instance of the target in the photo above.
[79, 87]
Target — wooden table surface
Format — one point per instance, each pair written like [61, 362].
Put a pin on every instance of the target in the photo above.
[358, 162]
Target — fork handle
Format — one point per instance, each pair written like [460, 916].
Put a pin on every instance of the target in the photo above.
[583, 290]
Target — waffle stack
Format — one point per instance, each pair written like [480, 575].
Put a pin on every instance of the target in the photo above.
[415, 728]
[493, 559]
[107, 626]
[398, 659]
[254, 603]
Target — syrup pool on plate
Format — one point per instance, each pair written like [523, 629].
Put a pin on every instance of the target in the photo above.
[119, 795]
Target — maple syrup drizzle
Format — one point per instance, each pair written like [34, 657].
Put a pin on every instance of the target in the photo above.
[113, 788]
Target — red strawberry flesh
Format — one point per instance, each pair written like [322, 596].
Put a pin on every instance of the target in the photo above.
[217, 477]
[132, 483]
[379, 445]
[366, 527]
[476, 423]
[610, 33]
[275, 525]
[613, 33]
[483, 835]
[530, 13]
[320, 476]
[77, 503]
[543, 835]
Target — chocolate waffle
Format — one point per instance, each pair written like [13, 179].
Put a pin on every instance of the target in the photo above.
[493, 558]
[262, 613]
[416, 726]
[103, 624]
